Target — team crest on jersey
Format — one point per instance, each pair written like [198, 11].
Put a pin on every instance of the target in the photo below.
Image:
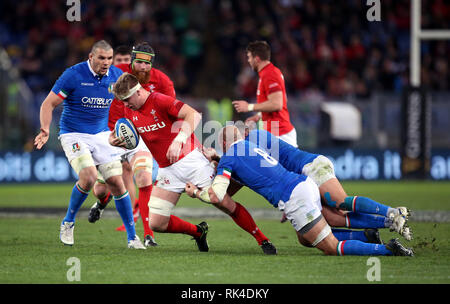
[75, 147]
[110, 87]
[153, 112]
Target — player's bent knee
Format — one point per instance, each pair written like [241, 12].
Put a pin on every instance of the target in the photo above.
[309, 236]
[321, 235]
[87, 178]
[320, 170]
[158, 222]
[160, 206]
[110, 169]
[303, 241]
[143, 164]
[100, 189]
[328, 245]
[334, 217]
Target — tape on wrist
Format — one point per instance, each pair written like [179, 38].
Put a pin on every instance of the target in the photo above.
[195, 192]
[181, 137]
[251, 106]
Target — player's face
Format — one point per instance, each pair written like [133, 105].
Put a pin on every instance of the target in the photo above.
[119, 59]
[133, 102]
[141, 66]
[141, 70]
[252, 61]
[101, 60]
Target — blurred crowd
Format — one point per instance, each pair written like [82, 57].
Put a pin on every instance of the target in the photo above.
[324, 48]
[329, 49]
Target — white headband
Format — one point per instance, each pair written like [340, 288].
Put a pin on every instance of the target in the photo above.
[131, 92]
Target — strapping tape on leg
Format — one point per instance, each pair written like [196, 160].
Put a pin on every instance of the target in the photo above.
[143, 163]
[111, 169]
[322, 235]
[320, 170]
[82, 162]
[160, 206]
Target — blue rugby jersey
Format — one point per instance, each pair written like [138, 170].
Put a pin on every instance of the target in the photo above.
[254, 167]
[293, 159]
[87, 98]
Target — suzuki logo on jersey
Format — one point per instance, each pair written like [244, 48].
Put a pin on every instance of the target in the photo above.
[152, 127]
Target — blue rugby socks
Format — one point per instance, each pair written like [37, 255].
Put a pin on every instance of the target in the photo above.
[347, 234]
[77, 198]
[363, 204]
[355, 247]
[123, 206]
[361, 220]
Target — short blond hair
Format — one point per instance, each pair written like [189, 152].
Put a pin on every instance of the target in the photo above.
[124, 84]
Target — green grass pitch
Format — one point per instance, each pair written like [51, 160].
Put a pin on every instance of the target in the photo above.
[32, 253]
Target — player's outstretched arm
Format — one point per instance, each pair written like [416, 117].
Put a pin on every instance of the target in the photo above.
[46, 113]
[273, 103]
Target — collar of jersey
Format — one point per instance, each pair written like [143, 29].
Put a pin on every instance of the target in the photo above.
[92, 71]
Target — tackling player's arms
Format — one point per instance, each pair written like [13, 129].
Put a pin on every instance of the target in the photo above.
[46, 113]
[213, 194]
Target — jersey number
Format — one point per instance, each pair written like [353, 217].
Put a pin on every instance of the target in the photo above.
[266, 156]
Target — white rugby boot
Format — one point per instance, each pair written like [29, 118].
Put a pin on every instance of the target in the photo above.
[399, 223]
[66, 233]
[136, 244]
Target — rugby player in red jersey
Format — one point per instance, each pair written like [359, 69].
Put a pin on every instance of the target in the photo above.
[137, 162]
[166, 126]
[271, 95]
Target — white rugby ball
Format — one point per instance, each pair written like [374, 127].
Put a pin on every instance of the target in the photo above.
[125, 129]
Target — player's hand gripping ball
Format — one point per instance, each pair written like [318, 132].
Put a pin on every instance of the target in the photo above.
[126, 131]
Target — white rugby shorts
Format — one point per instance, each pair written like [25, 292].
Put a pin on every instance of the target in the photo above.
[290, 137]
[97, 145]
[193, 168]
[303, 205]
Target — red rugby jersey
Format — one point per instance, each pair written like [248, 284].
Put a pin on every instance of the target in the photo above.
[154, 121]
[271, 80]
[159, 82]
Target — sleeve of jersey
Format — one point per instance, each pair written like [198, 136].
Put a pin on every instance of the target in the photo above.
[273, 83]
[116, 111]
[63, 87]
[225, 166]
[175, 106]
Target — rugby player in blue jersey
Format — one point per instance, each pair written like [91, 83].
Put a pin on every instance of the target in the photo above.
[85, 92]
[363, 212]
[295, 194]
[339, 209]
